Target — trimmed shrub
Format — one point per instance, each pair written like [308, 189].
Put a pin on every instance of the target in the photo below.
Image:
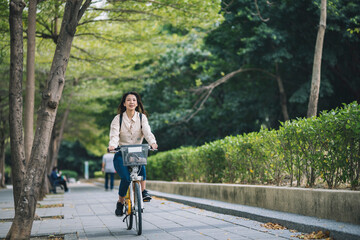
[70, 174]
[325, 147]
[99, 174]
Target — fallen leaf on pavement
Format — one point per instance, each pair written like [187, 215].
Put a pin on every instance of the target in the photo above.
[50, 205]
[315, 235]
[274, 226]
[158, 198]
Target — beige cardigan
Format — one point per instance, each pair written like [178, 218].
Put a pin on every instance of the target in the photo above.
[131, 131]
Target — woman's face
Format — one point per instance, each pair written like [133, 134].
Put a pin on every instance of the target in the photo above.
[130, 102]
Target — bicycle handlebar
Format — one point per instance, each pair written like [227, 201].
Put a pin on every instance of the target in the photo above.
[117, 149]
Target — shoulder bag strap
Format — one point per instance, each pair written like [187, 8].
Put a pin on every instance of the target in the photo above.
[140, 115]
[120, 121]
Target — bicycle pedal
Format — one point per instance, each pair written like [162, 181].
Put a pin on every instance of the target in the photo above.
[146, 200]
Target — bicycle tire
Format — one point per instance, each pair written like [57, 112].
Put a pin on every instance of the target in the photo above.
[129, 218]
[138, 212]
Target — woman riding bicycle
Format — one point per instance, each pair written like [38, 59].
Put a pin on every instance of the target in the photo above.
[134, 127]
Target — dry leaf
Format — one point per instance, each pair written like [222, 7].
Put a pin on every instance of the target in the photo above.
[158, 198]
[274, 226]
[315, 235]
[50, 205]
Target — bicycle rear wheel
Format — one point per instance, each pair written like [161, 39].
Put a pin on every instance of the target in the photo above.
[138, 213]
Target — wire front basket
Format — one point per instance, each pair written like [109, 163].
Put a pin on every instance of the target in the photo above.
[134, 155]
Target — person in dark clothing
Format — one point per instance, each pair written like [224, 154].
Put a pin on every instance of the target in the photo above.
[58, 179]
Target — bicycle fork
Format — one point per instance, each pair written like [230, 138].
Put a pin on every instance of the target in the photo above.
[132, 191]
[135, 179]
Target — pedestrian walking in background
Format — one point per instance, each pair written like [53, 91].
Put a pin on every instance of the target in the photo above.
[108, 169]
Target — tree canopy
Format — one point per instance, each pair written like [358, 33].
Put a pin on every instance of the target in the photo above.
[171, 51]
[281, 47]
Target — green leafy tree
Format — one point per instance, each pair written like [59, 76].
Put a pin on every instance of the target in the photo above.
[27, 176]
[135, 46]
[234, 81]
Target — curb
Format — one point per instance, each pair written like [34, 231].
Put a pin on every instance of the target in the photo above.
[338, 230]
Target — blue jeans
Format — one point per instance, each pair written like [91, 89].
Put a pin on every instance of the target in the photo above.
[107, 176]
[125, 174]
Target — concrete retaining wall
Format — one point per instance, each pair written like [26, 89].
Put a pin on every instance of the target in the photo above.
[339, 205]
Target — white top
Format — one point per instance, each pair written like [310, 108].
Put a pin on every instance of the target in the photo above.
[108, 161]
[131, 131]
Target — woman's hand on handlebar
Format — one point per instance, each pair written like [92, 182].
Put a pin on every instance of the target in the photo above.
[111, 148]
[154, 146]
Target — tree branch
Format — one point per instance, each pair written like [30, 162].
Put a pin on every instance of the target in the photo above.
[175, 6]
[51, 34]
[207, 90]
[113, 20]
[125, 11]
[227, 5]
[230, 75]
[83, 9]
[258, 12]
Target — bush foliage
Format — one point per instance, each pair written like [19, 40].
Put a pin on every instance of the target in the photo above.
[70, 174]
[325, 148]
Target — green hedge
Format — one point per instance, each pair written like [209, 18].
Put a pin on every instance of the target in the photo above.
[101, 174]
[325, 148]
[69, 174]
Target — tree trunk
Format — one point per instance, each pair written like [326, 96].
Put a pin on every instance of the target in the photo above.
[15, 97]
[283, 101]
[52, 149]
[25, 210]
[315, 79]
[44, 188]
[3, 137]
[30, 80]
[53, 153]
[15, 108]
[59, 137]
[2, 159]
[49, 162]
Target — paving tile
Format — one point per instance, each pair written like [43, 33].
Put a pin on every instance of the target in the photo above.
[89, 214]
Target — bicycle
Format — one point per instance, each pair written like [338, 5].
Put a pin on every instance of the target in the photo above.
[134, 156]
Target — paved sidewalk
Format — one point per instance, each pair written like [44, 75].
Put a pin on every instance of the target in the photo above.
[338, 230]
[88, 213]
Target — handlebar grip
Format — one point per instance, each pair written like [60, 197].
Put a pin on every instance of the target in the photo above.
[114, 150]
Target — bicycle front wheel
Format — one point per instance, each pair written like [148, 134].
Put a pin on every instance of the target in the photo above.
[129, 213]
[138, 210]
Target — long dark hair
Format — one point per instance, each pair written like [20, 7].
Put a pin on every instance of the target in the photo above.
[140, 107]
